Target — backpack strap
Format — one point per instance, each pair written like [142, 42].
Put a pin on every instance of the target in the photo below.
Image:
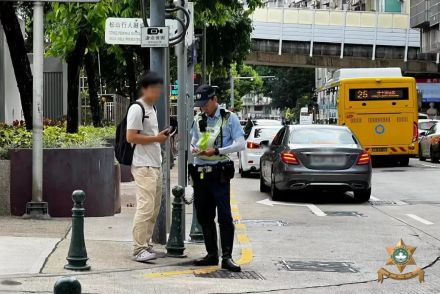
[142, 107]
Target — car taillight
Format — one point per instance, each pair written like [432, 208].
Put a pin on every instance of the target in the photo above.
[252, 145]
[289, 158]
[364, 158]
[415, 132]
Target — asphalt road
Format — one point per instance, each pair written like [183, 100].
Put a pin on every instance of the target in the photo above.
[315, 231]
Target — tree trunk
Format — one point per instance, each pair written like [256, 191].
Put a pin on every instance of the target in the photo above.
[74, 61]
[19, 58]
[90, 65]
[131, 74]
[144, 54]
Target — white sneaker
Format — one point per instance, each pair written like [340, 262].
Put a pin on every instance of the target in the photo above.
[144, 256]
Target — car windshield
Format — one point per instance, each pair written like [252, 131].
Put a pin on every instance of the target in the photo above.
[321, 136]
[265, 133]
[426, 125]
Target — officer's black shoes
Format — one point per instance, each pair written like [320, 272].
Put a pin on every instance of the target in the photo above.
[207, 260]
[230, 265]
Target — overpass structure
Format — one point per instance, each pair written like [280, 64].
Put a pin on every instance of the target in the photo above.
[337, 39]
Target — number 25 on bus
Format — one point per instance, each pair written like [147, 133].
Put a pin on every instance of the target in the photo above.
[380, 107]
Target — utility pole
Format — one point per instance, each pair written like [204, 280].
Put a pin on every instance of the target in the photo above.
[204, 56]
[157, 64]
[37, 208]
[181, 112]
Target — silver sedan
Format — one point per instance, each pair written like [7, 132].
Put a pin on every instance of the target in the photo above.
[304, 156]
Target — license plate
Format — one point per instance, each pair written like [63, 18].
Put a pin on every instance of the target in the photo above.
[327, 160]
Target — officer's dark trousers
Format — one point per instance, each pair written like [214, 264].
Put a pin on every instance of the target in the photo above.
[211, 193]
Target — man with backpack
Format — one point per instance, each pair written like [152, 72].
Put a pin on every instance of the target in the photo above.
[143, 134]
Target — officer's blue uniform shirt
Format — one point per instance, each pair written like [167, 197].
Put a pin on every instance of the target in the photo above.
[231, 132]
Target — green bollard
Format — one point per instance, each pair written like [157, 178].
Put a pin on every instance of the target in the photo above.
[67, 285]
[175, 246]
[196, 233]
[77, 257]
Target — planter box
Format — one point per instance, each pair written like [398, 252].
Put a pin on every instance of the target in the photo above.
[66, 170]
[5, 205]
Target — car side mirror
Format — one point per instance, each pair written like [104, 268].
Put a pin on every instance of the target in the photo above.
[422, 134]
[264, 143]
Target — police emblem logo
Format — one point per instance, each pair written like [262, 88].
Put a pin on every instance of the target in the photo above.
[401, 256]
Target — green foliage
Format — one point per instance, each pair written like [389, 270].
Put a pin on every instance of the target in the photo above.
[12, 137]
[289, 85]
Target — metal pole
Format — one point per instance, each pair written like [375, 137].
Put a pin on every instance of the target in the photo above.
[232, 89]
[181, 113]
[157, 64]
[204, 55]
[37, 208]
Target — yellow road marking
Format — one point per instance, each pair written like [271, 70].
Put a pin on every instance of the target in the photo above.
[240, 227]
[246, 253]
[205, 270]
[243, 238]
[234, 210]
[246, 256]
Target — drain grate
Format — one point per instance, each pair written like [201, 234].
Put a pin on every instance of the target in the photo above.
[344, 213]
[222, 274]
[261, 222]
[320, 266]
[382, 202]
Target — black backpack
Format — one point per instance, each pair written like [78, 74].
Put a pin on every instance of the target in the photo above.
[124, 150]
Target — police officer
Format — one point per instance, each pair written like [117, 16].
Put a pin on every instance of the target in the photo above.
[215, 133]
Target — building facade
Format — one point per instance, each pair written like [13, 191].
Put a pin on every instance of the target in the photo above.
[425, 15]
[258, 106]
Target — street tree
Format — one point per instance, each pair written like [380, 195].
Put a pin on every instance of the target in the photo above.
[289, 84]
[19, 58]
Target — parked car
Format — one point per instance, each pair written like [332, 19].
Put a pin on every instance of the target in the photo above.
[249, 159]
[426, 124]
[305, 156]
[423, 116]
[267, 122]
[429, 145]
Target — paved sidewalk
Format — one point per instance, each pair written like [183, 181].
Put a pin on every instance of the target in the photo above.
[32, 249]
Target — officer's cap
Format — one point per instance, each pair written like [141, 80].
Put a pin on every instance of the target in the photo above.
[203, 94]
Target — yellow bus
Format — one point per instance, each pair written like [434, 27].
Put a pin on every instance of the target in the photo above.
[380, 106]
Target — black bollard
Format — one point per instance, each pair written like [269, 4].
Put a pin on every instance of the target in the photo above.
[196, 233]
[77, 257]
[67, 285]
[175, 246]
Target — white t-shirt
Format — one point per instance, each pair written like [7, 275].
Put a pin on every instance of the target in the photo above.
[148, 154]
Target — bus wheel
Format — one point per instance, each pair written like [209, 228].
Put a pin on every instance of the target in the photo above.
[404, 161]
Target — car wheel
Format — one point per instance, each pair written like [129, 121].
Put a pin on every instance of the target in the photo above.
[274, 192]
[263, 187]
[362, 195]
[434, 157]
[421, 158]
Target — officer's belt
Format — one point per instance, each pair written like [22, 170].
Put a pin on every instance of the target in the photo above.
[209, 168]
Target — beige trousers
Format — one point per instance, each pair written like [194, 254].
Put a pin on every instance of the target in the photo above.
[148, 197]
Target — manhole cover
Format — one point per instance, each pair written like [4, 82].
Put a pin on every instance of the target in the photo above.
[222, 274]
[10, 283]
[262, 222]
[319, 266]
[344, 213]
